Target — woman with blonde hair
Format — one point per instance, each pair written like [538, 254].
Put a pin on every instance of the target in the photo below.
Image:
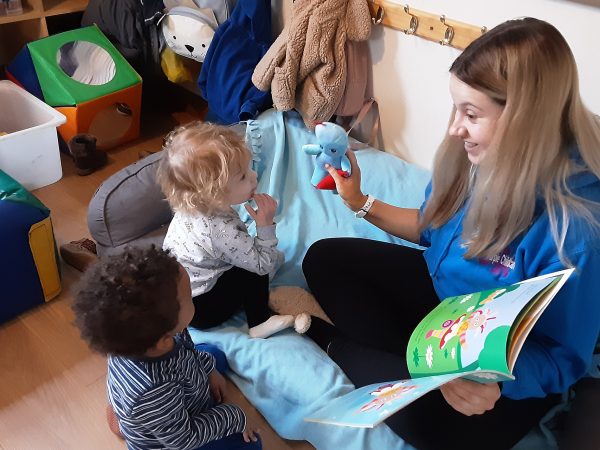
[515, 193]
[204, 171]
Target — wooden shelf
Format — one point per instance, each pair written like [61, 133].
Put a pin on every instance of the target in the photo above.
[28, 13]
[14, 35]
[16, 31]
[56, 7]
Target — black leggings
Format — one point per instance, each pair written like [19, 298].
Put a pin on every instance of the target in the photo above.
[234, 289]
[376, 293]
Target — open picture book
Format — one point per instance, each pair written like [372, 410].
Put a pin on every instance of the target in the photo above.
[476, 336]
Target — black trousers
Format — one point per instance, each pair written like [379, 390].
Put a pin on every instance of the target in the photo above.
[376, 293]
[234, 289]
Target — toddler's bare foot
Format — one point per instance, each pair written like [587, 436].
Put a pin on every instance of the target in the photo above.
[272, 325]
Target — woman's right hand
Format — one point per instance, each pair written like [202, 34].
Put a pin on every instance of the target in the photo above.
[401, 222]
[349, 187]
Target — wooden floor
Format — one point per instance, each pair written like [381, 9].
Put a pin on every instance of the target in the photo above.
[52, 388]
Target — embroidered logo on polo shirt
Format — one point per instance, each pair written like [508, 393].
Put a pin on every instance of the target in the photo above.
[502, 262]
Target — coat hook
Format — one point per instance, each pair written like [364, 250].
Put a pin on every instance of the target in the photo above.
[448, 34]
[378, 15]
[414, 21]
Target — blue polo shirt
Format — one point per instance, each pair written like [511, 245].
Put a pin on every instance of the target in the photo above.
[559, 349]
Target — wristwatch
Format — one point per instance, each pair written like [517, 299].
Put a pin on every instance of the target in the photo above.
[362, 212]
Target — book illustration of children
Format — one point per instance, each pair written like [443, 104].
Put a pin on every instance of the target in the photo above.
[204, 171]
[165, 393]
[386, 394]
[477, 320]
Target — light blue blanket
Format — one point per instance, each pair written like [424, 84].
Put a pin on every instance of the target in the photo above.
[306, 214]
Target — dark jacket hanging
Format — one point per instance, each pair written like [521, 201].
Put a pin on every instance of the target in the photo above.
[238, 45]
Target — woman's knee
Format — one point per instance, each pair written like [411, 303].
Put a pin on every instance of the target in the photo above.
[320, 253]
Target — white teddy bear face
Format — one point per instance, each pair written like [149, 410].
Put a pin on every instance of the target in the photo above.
[186, 36]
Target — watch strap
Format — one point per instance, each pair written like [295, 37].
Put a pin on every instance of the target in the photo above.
[362, 212]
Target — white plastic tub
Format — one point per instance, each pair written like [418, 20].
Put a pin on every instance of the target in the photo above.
[29, 152]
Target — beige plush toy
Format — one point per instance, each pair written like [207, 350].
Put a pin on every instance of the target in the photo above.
[306, 68]
[296, 301]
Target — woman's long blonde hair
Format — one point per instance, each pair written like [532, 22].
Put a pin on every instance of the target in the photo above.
[526, 66]
[197, 163]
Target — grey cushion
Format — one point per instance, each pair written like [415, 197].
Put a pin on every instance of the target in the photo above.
[129, 208]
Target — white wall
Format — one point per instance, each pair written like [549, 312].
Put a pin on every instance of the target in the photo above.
[410, 74]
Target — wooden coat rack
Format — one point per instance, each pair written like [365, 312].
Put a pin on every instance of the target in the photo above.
[436, 28]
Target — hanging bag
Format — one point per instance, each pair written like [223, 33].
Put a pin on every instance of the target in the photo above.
[355, 103]
[357, 62]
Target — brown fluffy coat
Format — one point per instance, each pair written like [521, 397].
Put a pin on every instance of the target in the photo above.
[305, 68]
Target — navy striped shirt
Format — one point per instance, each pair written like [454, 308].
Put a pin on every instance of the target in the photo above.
[165, 402]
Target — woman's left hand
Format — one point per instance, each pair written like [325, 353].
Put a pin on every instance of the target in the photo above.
[470, 397]
[218, 385]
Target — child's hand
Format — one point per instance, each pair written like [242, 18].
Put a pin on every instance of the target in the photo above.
[217, 385]
[251, 431]
[264, 214]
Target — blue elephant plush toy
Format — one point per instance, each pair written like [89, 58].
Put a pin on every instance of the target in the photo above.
[331, 149]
